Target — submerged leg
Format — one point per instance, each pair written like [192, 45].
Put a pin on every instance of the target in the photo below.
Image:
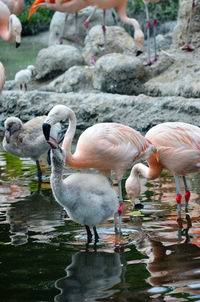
[39, 171]
[187, 194]
[89, 234]
[120, 208]
[178, 200]
[96, 236]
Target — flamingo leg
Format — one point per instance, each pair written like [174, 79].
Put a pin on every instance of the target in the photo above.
[86, 24]
[187, 194]
[96, 236]
[178, 200]
[62, 36]
[148, 26]
[187, 46]
[154, 34]
[39, 171]
[89, 234]
[104, 31]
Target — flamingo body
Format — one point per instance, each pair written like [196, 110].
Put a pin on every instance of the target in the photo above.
[15, 6]
[178, 147]
[10, 25]
[89, 199]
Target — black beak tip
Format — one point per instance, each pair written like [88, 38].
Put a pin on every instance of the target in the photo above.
[17, 44]
[46, 130]
[139, 52]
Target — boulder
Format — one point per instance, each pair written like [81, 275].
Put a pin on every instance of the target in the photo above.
[55, 60]
[117, 41]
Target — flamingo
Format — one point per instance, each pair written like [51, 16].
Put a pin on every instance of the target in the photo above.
[10, 25]
[2, 76]
[148, 26]
[88, 199]
[72, 6]
[178, 147]
[23, 77]
[15, 6]
[105, 146]
[27, 140]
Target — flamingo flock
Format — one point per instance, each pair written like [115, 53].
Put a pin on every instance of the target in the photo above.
[90, 199]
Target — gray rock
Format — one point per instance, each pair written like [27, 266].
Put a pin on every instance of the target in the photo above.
[55, 60]
[117, 73]
[117, 41]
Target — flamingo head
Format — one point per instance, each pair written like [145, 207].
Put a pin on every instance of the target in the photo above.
[12, 124]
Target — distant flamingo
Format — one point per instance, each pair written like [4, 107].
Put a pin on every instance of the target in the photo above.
[148, 26]
[72, 6]
[10, 25]
[15, 6]
[104, 146]
[178, 146]
[2, 76]
[89, 199]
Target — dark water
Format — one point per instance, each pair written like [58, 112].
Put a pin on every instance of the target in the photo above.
[43, 255]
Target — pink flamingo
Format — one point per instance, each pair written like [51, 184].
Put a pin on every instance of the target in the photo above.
[178, 147]
[73, 6]
[2, 76]
[148, 26]
[105, 146]
[15, 6]
[10, 25]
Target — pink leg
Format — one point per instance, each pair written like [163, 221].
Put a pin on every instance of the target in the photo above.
[148, 26]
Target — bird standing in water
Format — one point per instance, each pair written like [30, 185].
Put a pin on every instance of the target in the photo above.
[178, 147]
[88, 199]
[105, 146]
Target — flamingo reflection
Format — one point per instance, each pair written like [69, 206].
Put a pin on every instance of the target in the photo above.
[90, 276]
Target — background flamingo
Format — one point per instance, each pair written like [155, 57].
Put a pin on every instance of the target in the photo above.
[2, 76]
[15, 6]
[72, 6]
[105, 146]
[178, 146]
[148, 26]
[10, 25]
[89, 199]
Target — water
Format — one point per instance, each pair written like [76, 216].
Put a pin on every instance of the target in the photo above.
[15, 59]
[43, 255]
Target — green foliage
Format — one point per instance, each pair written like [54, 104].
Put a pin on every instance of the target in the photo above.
[38, 22]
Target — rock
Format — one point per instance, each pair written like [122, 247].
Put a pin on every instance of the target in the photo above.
[117, 73]
[180, 79]
[76, 78]
[55, 60]
[64, 25]
[140, 112]
[117, 41]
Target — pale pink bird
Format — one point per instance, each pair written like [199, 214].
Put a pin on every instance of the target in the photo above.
[2, 76]
[10, 25]
[178, 147]
[148, 26]
[72, 6]
[15, 6]
[105, 146]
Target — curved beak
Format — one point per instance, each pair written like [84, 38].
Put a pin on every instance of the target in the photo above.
[53, 143]
[46, 130]
[17, 44]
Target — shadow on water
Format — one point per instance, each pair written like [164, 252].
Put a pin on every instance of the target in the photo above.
[43, 254]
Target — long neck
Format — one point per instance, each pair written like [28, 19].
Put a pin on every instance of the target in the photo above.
[123, 16]
[67, 142]
[57, 184]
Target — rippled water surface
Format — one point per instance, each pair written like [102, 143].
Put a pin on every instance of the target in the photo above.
[43, 256]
